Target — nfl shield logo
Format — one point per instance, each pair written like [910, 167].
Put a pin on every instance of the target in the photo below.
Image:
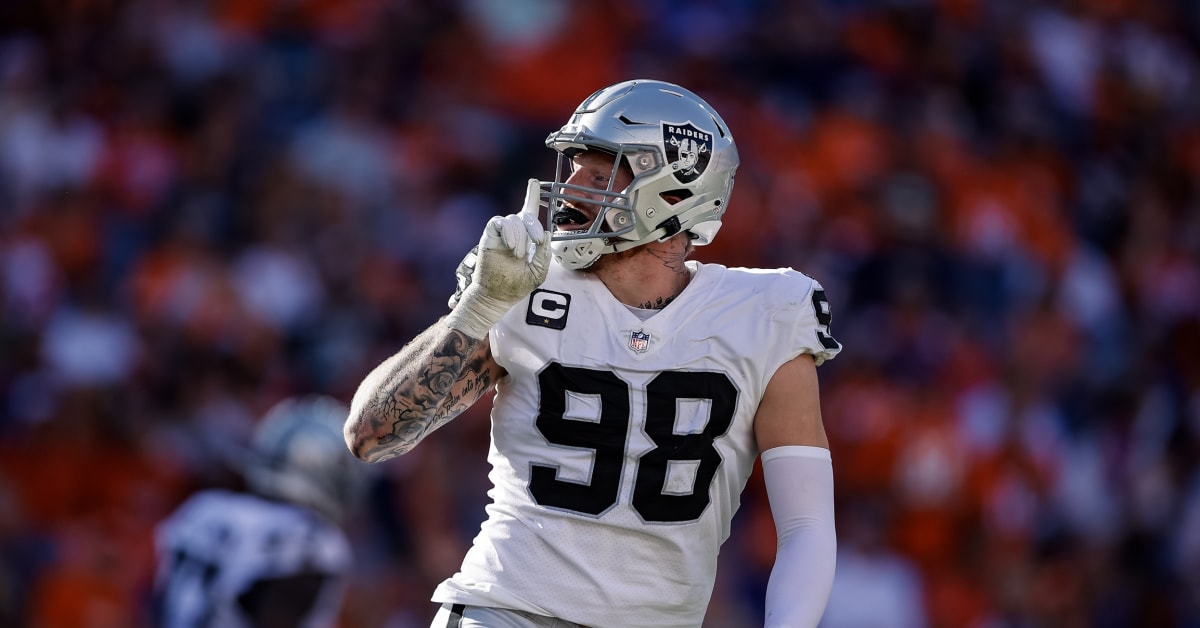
[639, 341]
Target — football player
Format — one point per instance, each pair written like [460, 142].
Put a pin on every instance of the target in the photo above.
[274, 556]
[634, 388]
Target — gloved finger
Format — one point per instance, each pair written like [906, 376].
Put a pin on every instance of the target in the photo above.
[531, 248]
[491, 238]
[535, 230]
[505, 232]
[514, 234]
[543, 250]
[530, 216]
[531, 209]
[538, 262]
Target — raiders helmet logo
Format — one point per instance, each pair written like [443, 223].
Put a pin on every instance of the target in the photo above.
[688, 150]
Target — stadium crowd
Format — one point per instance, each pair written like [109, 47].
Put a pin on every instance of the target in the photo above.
[209, 205]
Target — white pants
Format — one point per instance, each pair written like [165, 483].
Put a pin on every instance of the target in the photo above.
[462, 616]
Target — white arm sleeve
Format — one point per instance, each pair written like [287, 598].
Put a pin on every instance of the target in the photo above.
[799, 483]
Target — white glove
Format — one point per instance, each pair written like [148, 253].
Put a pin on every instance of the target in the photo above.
[512, 259]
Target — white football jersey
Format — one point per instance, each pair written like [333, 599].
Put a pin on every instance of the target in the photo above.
[620, 446]
[218, 544]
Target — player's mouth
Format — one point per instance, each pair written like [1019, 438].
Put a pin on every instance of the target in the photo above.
[570, 218]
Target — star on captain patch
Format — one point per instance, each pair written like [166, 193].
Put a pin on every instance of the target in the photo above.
[639, 341]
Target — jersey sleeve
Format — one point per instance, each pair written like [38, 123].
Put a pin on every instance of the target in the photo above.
[804, 312]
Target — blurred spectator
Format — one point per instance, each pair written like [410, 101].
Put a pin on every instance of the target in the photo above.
[874, 585]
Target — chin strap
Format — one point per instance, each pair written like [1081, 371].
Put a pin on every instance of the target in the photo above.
[670, 226]
[659, 234]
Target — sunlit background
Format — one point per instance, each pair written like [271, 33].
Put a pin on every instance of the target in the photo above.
[207, 205]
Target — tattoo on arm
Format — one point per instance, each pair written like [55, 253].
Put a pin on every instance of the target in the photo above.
[420, 394]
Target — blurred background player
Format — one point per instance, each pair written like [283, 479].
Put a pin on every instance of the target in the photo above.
[274, 555]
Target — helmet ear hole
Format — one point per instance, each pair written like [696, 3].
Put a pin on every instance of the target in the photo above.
[675, 196]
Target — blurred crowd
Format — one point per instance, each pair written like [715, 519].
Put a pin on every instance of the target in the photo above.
[208, 205]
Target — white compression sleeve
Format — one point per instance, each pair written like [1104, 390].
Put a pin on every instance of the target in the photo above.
[799, 483]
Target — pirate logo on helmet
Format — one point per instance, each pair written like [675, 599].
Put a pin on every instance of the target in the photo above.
[688, 150]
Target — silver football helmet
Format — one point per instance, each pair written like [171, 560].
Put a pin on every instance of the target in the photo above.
[299, 455]
[674, 143]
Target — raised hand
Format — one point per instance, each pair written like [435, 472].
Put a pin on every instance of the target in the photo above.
[512, 259]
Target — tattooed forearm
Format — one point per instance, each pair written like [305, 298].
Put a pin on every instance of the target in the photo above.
[474, 387]
[416, 391]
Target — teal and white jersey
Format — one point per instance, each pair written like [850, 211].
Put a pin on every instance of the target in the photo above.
[218, 548]
[620, 446]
